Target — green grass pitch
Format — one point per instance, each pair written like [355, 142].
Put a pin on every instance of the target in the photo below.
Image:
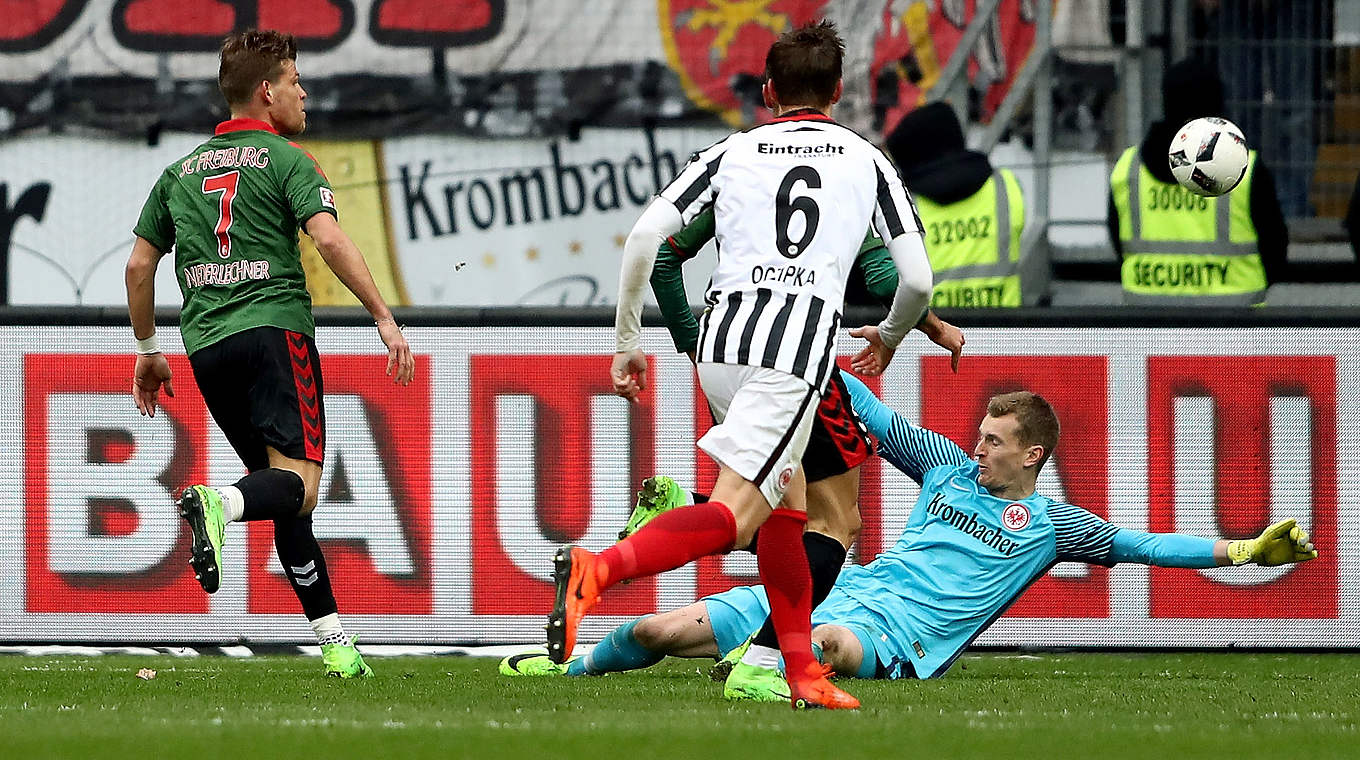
[1102, 706]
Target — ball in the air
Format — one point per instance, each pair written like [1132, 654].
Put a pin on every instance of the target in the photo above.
[1208, 156]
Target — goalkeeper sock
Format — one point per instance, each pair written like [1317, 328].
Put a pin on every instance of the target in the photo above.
[788, 586]
[671, 540]
[305, 566]
[825, 556]
[619, 651]
[271, 494]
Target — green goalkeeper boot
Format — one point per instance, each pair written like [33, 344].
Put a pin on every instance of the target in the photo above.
[751, 683]
[201, 507]
[659, 494]
[532, 664]
[344, 661]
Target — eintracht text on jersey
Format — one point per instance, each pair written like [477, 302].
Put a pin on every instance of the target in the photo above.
[792, 199]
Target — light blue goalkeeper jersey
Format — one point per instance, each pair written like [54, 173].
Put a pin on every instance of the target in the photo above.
[964, 557]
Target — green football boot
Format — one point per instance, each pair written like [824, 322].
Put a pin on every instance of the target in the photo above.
[659, 494]
[721, 669]
[533, 664]
[344, 661]
[201, 507]
[751, 683]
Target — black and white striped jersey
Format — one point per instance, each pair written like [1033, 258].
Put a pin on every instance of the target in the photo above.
[791, 200]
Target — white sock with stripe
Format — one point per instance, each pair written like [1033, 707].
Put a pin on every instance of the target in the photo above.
[761, 657]
[328, 630]
[233, 503]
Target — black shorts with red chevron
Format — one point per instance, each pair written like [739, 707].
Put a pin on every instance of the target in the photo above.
[263, 388]
[839, 443]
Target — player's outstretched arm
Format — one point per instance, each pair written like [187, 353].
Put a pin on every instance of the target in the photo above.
[911, 449]
[1083, 537]
[151, 370]
[347, 262]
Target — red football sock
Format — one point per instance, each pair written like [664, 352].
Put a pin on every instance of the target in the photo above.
[788, 585]
[669, 541]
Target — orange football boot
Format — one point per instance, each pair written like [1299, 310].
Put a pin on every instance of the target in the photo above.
[815, 692]
[574, 572]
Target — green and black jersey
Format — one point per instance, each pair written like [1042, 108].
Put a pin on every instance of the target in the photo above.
[874, 264]
[231, 211]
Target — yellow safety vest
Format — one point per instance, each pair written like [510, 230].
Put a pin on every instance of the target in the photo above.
[974, 244]
[1181, 248]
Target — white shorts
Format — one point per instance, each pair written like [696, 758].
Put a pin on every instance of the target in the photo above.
[764, 419]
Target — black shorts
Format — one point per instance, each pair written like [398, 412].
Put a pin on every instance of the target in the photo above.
[839, 443]
[263, 388]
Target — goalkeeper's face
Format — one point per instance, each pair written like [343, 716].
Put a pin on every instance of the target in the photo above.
[1004, 460]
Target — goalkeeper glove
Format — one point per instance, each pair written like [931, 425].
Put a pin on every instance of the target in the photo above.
[1280, 544]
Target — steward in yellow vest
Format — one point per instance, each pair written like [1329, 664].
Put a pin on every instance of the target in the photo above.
[972, 214]
[1176, 247]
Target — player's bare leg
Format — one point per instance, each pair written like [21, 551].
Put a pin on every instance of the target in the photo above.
[833, 508]
[686, 632]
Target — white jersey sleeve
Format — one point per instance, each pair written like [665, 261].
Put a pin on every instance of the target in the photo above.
[894, 212]
[899, 224]
[658, 221]
[693, 190]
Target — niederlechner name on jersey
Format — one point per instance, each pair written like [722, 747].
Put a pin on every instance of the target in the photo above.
[789, 275]
[230, 273]
[225, 158]
[968, 523]
[829, 149]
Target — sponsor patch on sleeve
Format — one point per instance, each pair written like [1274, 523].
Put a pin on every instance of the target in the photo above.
[327, 197]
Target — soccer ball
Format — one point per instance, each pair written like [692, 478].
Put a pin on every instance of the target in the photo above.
[1208, 156]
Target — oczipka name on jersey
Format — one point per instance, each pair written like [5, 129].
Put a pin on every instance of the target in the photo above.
[968, 523]
[829, 149]
[789, 275]
[230, 273]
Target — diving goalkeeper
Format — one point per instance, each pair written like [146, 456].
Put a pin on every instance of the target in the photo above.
[977, 537]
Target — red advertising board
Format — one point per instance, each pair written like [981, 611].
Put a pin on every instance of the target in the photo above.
[1237, 392]
[441, 503]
